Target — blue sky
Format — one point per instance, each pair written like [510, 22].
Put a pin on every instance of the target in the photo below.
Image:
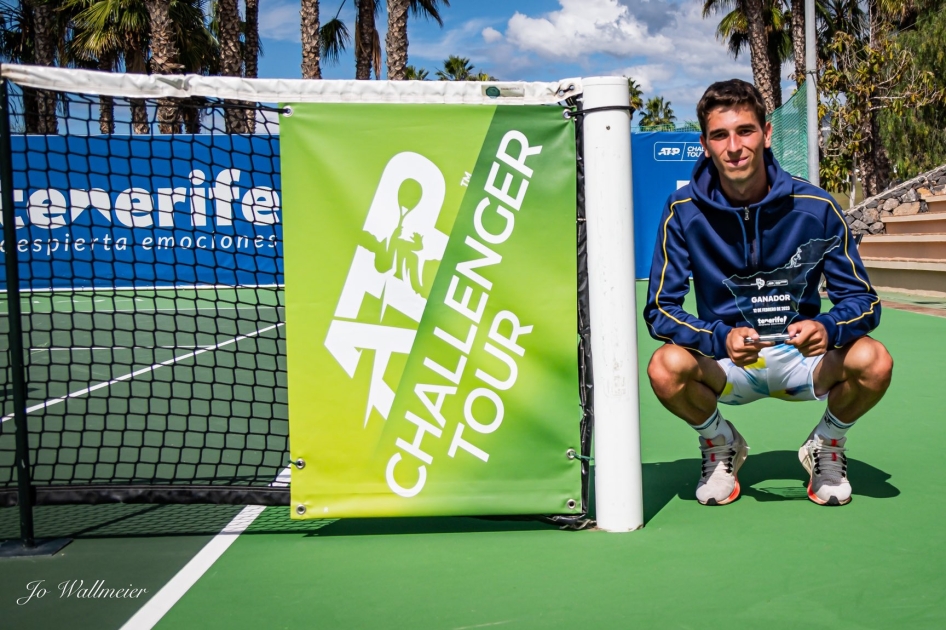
[665, 45]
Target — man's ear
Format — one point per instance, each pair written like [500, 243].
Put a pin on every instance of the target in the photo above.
[767, 130]
[703, 144]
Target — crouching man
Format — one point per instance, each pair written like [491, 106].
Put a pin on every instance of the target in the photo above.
[756, 242]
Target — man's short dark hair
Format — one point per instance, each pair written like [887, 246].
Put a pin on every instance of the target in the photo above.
[727, 94]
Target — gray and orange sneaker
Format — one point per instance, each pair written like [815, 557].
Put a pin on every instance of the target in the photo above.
[824, 460]
[718, 484]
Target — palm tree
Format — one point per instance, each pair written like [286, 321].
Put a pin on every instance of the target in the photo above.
[635, 96]
[759, 55]
[164, 60]
[367, 40]
[44, 54]
[456, 68]
[114, 33]
[311, 45]
[840, 16]
[798, 39]
[333, 37]
[231, 60]
[734, 28]
[396, 41]
[415, 74]
[251, 52]
[657, 111]
[483, 76]
[17, 45]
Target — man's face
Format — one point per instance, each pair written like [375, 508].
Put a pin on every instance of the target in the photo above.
[735, 142]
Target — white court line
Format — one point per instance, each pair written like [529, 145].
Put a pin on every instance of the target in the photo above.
[152, 368]
[158, 606]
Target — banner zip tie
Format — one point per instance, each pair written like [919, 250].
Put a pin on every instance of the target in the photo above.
[573, 454]
[574, 113]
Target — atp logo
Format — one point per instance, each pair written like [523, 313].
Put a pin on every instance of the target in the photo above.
[388, 265]
[677, 151]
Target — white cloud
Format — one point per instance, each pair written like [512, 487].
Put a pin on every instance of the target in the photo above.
[585, 27]
[454, 41]
[698, 53]
[695, 60]
[491, 35]
[648, 76]
[280, 21]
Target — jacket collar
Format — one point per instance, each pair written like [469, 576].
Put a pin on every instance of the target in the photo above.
[708, 192]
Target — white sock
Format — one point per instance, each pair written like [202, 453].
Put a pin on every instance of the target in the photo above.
[715, 426]
[832, 428]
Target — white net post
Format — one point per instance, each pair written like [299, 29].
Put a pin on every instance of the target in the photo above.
[611, 287]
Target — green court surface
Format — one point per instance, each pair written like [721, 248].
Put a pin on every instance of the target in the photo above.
[164, 386]
[770, 560]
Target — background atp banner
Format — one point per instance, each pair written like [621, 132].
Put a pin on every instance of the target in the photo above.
[431, 302]
[662, 162]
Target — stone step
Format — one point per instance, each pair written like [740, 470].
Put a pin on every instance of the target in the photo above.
[902, 274]
[931, 247]
[926, 223]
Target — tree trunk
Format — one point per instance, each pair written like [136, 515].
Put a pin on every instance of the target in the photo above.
[311, 43]
[878, 156]
[31, 110]
[798, 40]
[758, 51]
[191, 113]
[164, 60]
[231, 61]
[868, 170]
[396, 39]
[364, 39]
[251, 54]
[136, 63]
[775, 71]
[44, 48]
[106, 103]
[139, 117]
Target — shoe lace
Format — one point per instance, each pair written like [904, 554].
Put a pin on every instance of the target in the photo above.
[830, 462]
[715, 456]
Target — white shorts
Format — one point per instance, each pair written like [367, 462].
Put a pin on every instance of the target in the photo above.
[781, 372]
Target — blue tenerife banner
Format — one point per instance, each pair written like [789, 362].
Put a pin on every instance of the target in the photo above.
[661, 161]
[122, 211]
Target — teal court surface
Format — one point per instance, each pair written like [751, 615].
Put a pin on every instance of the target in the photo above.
[770, 560]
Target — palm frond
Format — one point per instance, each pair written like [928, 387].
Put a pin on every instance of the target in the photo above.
[334, 38]
[428, 9]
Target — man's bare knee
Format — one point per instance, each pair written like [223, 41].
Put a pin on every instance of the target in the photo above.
[868, 360]
[670, 368]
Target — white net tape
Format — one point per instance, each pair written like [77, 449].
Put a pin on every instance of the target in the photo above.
[290, 90]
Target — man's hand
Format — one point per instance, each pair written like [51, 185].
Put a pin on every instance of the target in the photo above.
[809, 336]
[742, 353]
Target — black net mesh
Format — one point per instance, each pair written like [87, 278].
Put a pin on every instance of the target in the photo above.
[149, 249]
[149, 252]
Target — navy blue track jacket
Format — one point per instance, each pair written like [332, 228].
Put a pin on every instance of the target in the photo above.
[701, 234]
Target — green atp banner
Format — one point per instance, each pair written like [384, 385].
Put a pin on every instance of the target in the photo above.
[431, 309]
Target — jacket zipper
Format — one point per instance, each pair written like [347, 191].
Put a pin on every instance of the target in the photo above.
[752, 244]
